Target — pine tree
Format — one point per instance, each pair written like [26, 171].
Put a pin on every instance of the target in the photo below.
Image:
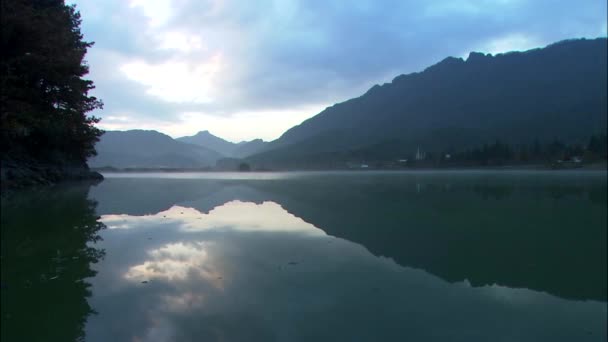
[45, 99]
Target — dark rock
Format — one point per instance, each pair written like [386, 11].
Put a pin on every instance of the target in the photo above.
[16, 175]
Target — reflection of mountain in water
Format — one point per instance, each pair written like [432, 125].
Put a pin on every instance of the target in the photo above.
[546, 234]
[45, 260]
[528, 239]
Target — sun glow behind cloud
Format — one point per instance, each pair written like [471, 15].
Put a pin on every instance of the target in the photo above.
[177, 81]
[512, 42]
[237, 127]
[268, 124]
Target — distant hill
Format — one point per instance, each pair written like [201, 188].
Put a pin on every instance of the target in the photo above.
[247, 148]
[149, 149]
[210, 141]
[226, 148]
[554, 92]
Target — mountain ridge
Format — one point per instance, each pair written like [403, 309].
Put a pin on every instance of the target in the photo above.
[558, 91]
[226, 148]
[542, 94]
[149, 149]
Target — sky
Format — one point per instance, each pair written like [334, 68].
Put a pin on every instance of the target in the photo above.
[247, 69]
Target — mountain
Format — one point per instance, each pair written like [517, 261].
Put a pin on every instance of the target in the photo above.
[149, 149]
[210, 141]
[542, 94]
[226, 148]
[247, 148]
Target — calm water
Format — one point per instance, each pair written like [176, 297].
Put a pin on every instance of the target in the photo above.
[422, 256]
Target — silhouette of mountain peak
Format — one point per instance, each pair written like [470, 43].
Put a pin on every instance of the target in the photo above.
[478, 56]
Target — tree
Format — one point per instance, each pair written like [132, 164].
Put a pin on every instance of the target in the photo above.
[524, 153]
[244, 167]
[598, 145]
[556, 149]
[536, 149]
[45, 99]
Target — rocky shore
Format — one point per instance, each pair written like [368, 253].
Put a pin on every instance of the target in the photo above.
[16, 175]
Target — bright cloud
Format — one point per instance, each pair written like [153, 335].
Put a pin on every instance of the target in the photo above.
[158, 12]
[177, 81]
[175, 261]
[180, 41]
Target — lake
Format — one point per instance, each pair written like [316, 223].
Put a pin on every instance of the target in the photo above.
[311, 256]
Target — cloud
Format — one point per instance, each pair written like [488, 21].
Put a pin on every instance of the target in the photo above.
[155, 61]
[176, 80]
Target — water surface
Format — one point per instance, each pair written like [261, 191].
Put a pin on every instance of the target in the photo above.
[361, 256]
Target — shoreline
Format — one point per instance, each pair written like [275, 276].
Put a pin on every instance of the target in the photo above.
[16, 176]
[600, 166]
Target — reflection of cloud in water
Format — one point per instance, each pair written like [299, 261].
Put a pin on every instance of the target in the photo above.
[255, 272]
[183, 302]
[173, 262]
[237, 215]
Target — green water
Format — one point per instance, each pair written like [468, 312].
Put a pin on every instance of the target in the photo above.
[362, 256]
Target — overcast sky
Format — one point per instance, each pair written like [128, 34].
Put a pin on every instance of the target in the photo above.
[246, 69]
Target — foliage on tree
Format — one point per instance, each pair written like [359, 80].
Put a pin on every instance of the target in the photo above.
[536, 152]
[45, 99]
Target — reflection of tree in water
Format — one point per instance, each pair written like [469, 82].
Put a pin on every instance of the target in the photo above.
[598, 195]
[493, 191]
[560, 192]
[578, 192]
[45, 261]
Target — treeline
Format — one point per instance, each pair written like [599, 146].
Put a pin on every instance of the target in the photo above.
[396, 154]
[500, 153]
[45, 99]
